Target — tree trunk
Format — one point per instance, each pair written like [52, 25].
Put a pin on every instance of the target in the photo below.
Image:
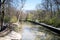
[2, 14]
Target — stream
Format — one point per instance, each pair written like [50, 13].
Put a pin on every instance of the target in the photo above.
[36, 32]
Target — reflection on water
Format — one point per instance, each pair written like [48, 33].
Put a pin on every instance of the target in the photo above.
[27, 35]
[33, 32]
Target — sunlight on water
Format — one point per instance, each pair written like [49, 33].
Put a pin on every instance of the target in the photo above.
[29, 33]
[33, 32]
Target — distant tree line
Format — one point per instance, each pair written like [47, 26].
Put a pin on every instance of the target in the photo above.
[48, 11]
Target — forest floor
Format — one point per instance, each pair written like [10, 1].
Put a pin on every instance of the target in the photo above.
[13, 35]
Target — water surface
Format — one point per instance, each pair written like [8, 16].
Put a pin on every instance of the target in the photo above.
[36, 32]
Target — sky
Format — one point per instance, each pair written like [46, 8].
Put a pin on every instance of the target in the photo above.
[31, 4]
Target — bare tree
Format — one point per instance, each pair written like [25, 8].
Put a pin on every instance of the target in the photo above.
[22, 5]
[2, 13]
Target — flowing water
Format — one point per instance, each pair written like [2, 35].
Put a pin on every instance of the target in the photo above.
[36, 32]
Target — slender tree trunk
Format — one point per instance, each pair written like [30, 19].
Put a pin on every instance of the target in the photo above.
[51, 9]
[2, 13]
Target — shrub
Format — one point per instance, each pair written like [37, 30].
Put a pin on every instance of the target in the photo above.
[6, 19]
[50, 21]
[54, 21]
[13, 19]
[57, 23]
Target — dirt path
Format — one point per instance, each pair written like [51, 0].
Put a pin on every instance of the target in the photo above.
[12, 35]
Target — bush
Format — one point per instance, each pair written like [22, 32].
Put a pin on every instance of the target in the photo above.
[54, 21]
[6, 19]
[50, 21]
[13, 19]
[57, 23]
[41, 21]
